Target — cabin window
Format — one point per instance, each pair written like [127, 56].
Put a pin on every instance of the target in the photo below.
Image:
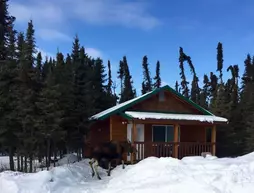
[163, 133]
[161, 96]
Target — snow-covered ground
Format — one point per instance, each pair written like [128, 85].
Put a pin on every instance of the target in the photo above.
[162, 175]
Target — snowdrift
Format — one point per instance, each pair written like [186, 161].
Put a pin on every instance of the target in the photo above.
[164, 175]
[191, 174]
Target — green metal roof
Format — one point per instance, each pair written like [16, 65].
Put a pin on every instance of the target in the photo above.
[125, 105]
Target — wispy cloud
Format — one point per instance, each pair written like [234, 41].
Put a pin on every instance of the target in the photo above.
[52, 34]
[95, 12]
[116, 12]
[44, 13]
[94, 52]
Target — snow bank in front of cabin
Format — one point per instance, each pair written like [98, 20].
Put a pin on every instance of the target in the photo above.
[67, 178]
[164, 175]
[198, 174]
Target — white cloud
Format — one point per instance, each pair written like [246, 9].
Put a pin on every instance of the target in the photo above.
[118, 12]
[95, 12]
[93, 52]
[43, 13]
[52, 34]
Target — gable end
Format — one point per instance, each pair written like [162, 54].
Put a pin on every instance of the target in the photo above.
[118, 109]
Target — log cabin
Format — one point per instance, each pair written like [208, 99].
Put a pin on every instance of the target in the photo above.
[161, 123]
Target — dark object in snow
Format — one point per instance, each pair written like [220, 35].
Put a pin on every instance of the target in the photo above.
[102, 155]
[204, 154]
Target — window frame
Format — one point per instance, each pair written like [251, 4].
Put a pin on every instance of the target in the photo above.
[165, 128]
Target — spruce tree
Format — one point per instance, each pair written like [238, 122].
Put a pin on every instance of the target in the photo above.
[112, 98]
[109, 87]
[50, 115]
[120, 73]
[157, 78]
[128, 91]
[246, 105]
[235, 118]
[195, 90]
[184, 82]
[20, 48]
[147, 82]
[6, 23]
[204, 95]
[28, 95]
[213, 90]
[8, 73]
[220, 60]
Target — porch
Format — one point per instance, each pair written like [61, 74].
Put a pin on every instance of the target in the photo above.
[170, 138]
[172, 149]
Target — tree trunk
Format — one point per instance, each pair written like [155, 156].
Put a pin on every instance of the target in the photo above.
[48, 152]
[11, 158]
[25, 163]
[30, 163]
[54, 150]
[65, 150]
[39, 157]
[22, 164]
[18, 162]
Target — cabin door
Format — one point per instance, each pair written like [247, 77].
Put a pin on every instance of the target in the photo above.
[140, 138]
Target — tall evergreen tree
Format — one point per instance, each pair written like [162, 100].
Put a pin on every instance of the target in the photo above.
[128, 91]
[50, 115]
[27, 95]
[184, 82]
[6, 23]
[220, 60]
[110, 82]
[204, 95]
[120, 73]
[147, 82]
[157, 78]
[195, 90]
[112, 98]
[8, 73]
[213, 90]
[246, 105]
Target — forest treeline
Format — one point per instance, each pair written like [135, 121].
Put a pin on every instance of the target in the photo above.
[45, 103]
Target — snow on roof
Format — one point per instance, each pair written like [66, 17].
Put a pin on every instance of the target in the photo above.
[114, 108]
[189, 117]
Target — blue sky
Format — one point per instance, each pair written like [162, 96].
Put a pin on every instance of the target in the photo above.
[111, 29]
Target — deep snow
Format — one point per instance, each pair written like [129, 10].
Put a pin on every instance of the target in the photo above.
[191, 174]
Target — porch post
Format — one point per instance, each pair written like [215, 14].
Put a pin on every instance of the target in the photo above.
[133, 139]
[176, 137]
[213, 140]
